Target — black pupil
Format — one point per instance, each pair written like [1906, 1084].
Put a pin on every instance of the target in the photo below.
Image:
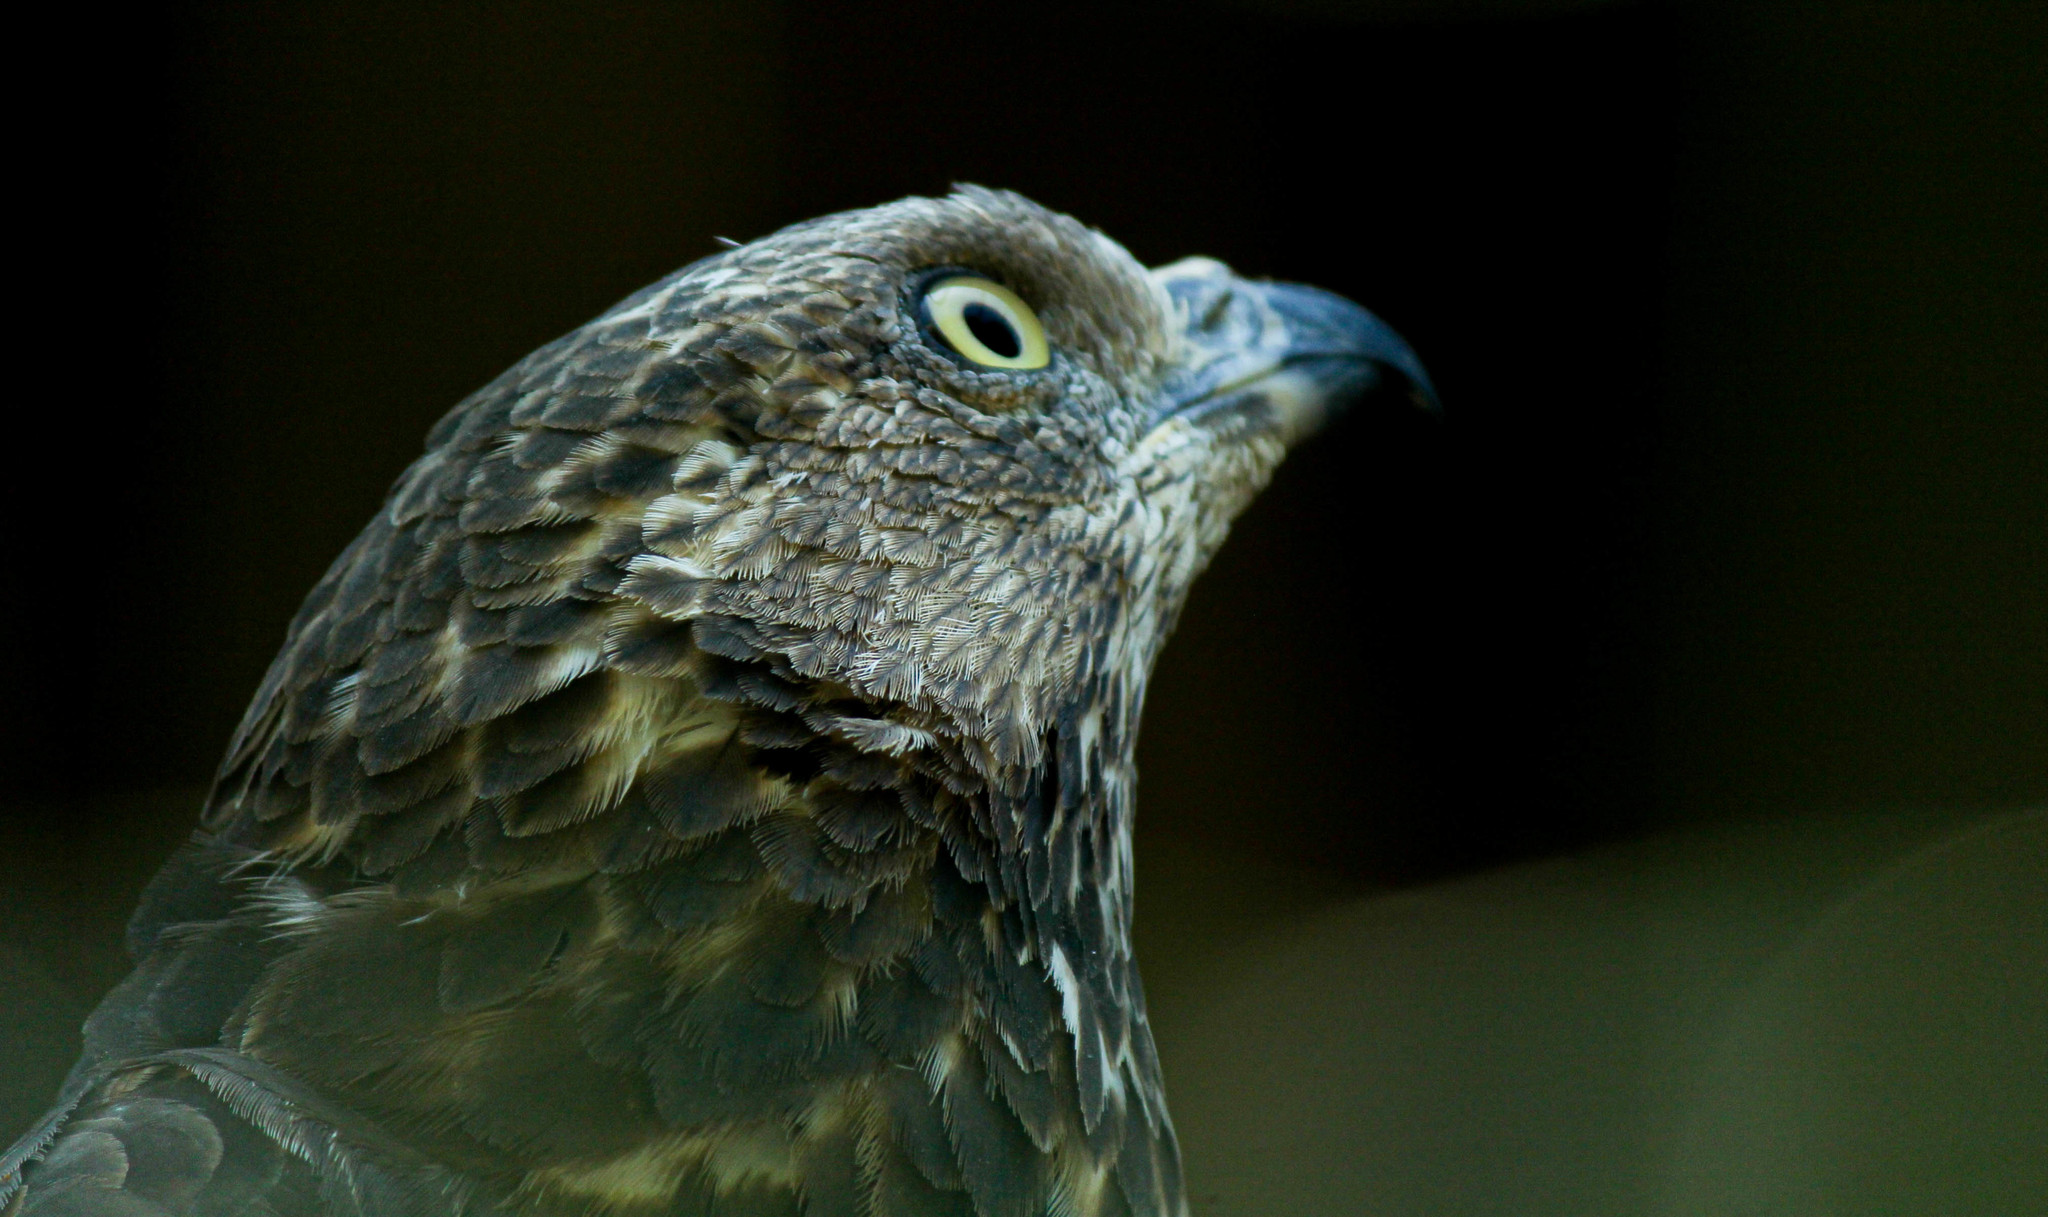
[994, 332]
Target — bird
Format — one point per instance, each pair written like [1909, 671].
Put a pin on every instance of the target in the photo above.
[706, 785]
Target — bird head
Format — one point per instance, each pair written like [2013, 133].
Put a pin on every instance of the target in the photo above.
[967, 455]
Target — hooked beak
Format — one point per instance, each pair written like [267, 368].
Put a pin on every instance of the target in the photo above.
[1278, 354]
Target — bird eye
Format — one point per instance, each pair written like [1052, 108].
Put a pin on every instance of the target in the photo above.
[986, 323]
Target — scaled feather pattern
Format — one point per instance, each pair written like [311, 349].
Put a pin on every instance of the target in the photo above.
[706, 785]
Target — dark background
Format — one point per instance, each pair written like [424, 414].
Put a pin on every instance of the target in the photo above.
[1726, 571]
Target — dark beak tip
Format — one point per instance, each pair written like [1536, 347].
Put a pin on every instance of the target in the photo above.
[1323, 324]
[1422, 395]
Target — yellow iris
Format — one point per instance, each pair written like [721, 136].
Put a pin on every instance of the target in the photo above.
[986, 323]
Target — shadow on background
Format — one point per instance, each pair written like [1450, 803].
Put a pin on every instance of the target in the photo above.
[1726, 572]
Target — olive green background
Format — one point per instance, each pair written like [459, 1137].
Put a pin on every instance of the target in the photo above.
[1620, 797]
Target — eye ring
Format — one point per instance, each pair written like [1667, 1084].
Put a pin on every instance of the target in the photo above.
[985, 323]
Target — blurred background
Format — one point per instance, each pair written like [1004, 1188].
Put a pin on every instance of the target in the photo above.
[1620, 797]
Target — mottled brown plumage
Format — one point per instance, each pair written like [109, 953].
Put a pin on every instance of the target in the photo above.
[705, 787]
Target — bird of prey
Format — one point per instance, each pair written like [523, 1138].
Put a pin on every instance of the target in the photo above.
[706, 785]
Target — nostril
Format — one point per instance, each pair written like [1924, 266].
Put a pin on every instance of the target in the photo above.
[1215, 309]
[1219, 308]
